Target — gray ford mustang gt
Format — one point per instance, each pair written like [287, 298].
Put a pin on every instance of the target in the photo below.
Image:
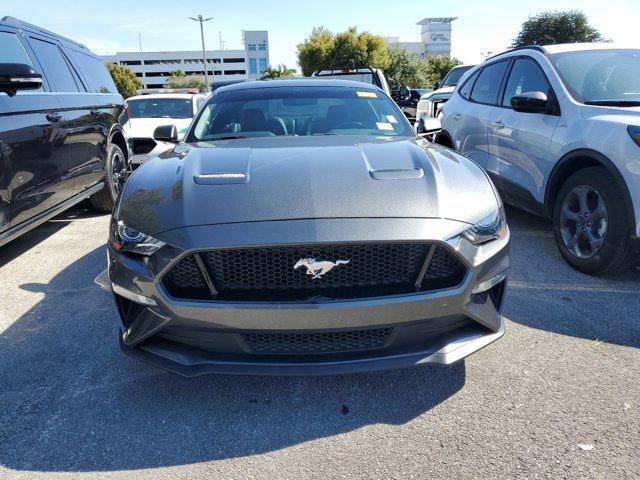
[303, 228]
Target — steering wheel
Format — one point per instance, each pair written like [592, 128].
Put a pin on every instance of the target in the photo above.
[346, 125]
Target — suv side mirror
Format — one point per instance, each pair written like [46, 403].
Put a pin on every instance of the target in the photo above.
[18, 76]
[166, 133]
[428, 126]
[436, 86]
[531, 102]
[405, 93]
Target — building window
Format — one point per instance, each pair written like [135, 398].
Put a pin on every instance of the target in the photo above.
[235, 72]
[262, 47]
[162, 62]
[233, 60]
[131, 62]
[253, 66]
[263, 64]
[251, 47]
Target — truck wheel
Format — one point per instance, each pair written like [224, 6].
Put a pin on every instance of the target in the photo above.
[105, 199]
[590, 223]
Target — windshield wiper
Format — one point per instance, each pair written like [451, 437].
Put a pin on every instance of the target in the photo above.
[615, 103]
[228, 137]
[325, 133]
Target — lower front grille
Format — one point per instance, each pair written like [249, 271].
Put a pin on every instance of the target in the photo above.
[142, 146]
[294, 273]
[320, 342]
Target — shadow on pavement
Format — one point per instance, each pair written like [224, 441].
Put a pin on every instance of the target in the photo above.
[71, 402]
[545, 293]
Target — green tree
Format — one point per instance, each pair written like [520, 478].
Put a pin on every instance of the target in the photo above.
[126, 81]
[187, 81]
[549, 28]
[438, 67]
[322, 49]
[281, 71]
[406, 69]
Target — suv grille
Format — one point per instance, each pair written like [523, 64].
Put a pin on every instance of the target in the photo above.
[143, 146]
[321, 342]
[268, 274]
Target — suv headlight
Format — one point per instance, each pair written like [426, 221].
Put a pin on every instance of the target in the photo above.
[125, 239]
[490, 228]
[634, 132]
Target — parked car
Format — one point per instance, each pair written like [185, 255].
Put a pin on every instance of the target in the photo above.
[373, 76]
[408, 98]
[303, 228]
[60, 141]
[154, 107]
[558, 129]
[431, 103]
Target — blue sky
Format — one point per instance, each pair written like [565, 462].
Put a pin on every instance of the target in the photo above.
[480, 27]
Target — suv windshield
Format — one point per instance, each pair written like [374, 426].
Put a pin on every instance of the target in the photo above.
[160, 108]
[300, 110]
[601, 77]
[454, 76]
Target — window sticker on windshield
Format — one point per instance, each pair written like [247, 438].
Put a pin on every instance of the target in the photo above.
[384, 126]
[391, 119]
[362, 94]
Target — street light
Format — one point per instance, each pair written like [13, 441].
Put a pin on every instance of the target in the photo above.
[204, 52]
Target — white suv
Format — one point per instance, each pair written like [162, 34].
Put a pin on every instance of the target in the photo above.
[558, 130]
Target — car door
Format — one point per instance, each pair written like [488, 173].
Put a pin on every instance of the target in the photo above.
[524, 138]
[472, 116]
[34, 155]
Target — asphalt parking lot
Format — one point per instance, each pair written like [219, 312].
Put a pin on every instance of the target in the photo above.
[557, 397]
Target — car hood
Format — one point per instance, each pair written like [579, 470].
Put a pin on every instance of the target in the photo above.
[286, 178]
[144, 127]
[439, 91]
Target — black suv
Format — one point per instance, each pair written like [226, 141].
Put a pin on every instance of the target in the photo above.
[60, 141]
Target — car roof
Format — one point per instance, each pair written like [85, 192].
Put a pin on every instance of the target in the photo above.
[298, 82]
[185, 96]
[578, 47]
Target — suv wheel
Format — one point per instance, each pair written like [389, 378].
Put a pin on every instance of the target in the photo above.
[590, 223]
[117, 173]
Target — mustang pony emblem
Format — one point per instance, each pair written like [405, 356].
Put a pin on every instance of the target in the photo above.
[317, 268]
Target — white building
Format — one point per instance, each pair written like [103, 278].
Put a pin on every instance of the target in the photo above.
[435, 38]
[223, 66]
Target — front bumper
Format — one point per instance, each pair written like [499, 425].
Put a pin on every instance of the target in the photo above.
[199, 337]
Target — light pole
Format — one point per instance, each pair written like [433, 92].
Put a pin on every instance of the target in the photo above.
[204, 52]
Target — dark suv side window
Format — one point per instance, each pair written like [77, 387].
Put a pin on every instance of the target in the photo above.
[55, 66]
[487, 87]
[12, 49]
[94, 72]
[526, 76]
[465, 90]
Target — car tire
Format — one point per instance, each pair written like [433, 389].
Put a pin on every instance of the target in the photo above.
[116, 175]
[591, 223]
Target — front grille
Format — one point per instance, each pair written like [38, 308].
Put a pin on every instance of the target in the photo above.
[268, 274]
[142, 146]
[321, 342]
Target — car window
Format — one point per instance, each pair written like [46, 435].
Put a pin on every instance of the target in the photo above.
[454, 76]
[12, 49]
[93, 71]
[295, 111]
[160, 108]
[465, 90]
[55, 67]
[526, 76]
[487, 87]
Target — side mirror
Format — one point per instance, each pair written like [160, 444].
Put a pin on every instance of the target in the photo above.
[18, 76]
[428, 126]
[405, 93]
[166, 133]
[531, 102]
[437, 85]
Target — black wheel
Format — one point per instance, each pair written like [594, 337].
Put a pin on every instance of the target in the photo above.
[117, 173]
[590, 223]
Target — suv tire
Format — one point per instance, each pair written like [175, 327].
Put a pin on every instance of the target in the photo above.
[590, 223]
[105, 199]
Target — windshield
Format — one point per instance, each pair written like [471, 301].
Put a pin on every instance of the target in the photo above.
[298, 111]
[454, 76]
[365, 77]
[160, 108]
[600, 76]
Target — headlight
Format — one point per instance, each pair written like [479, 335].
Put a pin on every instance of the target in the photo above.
[125, 239]
[490, 228]
[635, 133]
